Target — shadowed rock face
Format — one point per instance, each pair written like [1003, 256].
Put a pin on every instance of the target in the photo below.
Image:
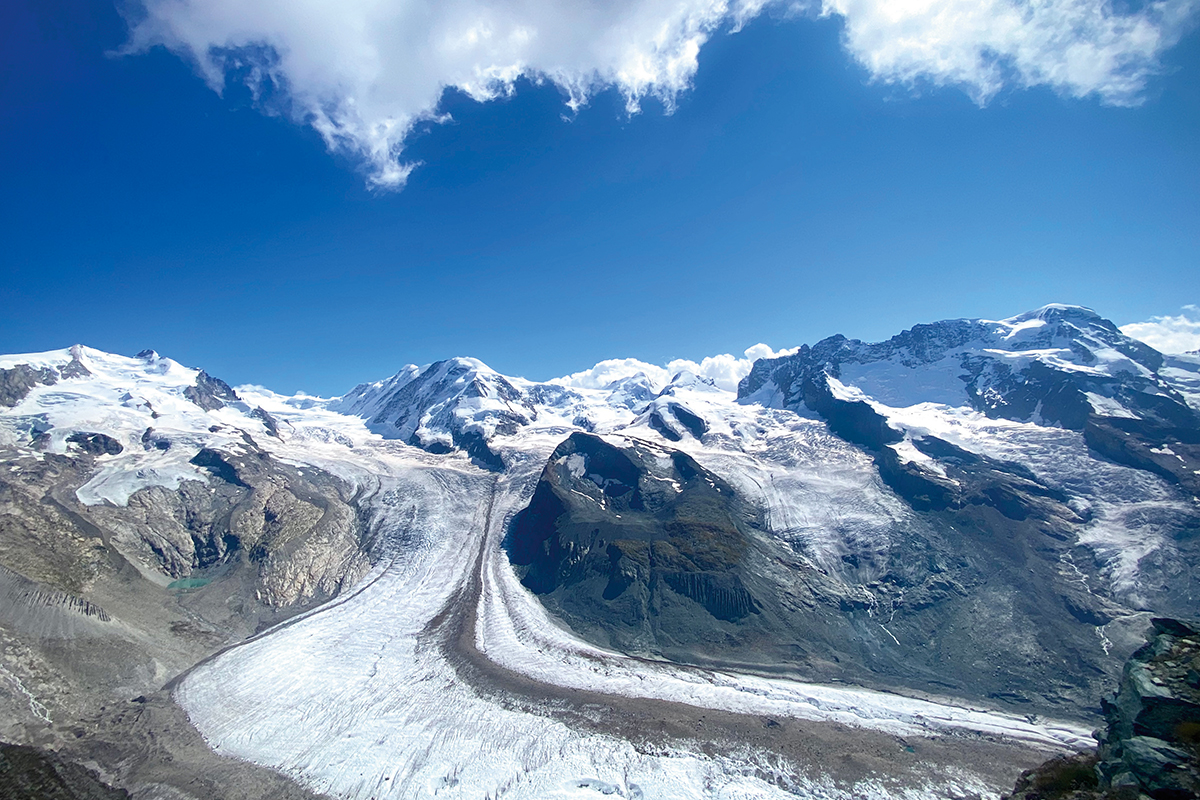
[642, 549]
[1153, 739]
[27, 773]
[96, 444]
[1150, 745]
[1168, 450]
[210, 393]
[964, 479]
[619, 534]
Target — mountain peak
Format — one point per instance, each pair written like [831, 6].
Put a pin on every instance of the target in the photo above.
[1057, 311]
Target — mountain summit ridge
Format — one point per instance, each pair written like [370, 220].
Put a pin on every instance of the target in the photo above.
[973, 513]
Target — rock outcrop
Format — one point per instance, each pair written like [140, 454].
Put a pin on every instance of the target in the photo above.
[1059, 365]
[28, 773]
[642, 543]
[1150, 747]
[641, 548]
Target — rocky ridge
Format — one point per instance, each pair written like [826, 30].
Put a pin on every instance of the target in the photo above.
[980, 510]
[1150, 746]
[143, 527]
[1060, 365]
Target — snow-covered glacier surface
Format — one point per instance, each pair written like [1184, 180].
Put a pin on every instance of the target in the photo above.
[364, 697]
[416, 682]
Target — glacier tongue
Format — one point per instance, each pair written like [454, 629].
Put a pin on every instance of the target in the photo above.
[365, 697]
[440, 674]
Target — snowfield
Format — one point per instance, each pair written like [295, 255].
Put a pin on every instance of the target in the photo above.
[377, 694]
[358, 698]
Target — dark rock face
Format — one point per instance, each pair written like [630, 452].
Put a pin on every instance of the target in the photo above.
[642, 549]
[210, 393]
[1151, 743]
[853, 420]
[219, 465]
[154, 441]
[97, 444]
[1062, 778]
[475, 445]
[691, 423]
[625, 531]
[695, 424]
[15, 383]
[971, 479]
[268, 421]
[965, 478]
[1161, 432]
[1153, 739]
[1168, 450]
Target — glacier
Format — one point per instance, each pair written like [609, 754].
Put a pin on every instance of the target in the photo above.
[438, 674]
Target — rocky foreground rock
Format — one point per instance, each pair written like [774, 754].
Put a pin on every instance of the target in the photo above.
[1151, 745]
[981, 513]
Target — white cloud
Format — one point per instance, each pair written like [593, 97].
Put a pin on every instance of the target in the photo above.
[724, 370]
[1078, 47]
[364, 72]
[1168, 334]
[614, 369]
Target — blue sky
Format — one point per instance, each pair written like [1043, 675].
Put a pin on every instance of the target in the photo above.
[793, 193]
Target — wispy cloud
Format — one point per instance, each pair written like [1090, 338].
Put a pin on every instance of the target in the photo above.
[1178, 334]
[1078, 47]
[363, 72]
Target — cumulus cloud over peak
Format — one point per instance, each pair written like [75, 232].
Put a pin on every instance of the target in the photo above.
[724, 370]
[1167, 334]
[363, 72]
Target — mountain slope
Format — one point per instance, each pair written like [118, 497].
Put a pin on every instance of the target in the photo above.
[149, 516]
[1063, 366]
[477, 581]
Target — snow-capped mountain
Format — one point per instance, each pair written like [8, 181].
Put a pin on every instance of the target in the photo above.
[79, 398]
[945, 543]
[456, 404]
[462, 404]
[1054, 365]
[1060, 366]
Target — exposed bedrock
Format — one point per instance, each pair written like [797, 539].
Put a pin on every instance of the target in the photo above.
[960, 478]
[100, 604]
[1150, 743]
[15, 383]
[1016, 511]
[632, 540]
[27, 773]
[210, 393]
[96, 444]
[1170, 451]
[983, 594]
[1098, 381]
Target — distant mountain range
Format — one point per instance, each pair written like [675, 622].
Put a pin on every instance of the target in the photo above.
[438, 582]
